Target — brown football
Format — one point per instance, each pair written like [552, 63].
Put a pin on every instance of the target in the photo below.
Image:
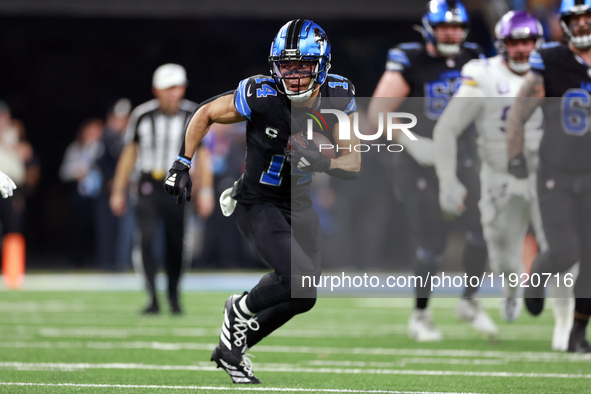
[327, 149]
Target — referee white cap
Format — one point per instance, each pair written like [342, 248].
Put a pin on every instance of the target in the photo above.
[169, 75]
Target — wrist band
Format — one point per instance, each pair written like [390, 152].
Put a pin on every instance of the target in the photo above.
[183, 159]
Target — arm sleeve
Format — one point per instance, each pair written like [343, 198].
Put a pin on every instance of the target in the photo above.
[462, 109]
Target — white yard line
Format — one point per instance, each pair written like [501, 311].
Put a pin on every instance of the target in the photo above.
[289, 369]
[177, 346]
[529, 333]
[257, 389]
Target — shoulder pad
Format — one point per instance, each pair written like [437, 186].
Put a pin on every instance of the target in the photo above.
[471, 45]
[407, 46]
[342, 91]
[337, 81]
[536, 61]
[474, 49]
[251, 90]
[551, 44]
[473, 71]
[399, 57]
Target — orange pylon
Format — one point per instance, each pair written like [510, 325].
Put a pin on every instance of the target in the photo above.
[13, 260]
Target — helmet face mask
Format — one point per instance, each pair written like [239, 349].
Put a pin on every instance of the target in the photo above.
[300, 42]
[515, 27]
[441, 13]
[579, 36]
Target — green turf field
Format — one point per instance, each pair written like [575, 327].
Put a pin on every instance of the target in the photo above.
[96, 342]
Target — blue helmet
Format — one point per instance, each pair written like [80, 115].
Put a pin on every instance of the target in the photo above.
[444, 11]
[301, 40]
[575, 7]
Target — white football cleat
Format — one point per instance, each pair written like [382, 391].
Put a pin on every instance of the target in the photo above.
[470, 311]
[421, 327]
[561, 335]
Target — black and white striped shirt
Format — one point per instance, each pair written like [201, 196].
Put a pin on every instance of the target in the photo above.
[157, 136]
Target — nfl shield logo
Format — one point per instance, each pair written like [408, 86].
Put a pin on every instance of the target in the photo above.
[503, 87]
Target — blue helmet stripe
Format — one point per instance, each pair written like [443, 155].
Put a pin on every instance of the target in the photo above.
[240, 101]
[293, 34]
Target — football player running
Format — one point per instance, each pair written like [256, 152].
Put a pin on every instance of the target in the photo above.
[432, 71]
[271, 201]
[561, 73]
[506, 204]
[7, 185]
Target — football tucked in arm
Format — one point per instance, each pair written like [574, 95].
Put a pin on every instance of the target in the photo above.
[325, 146]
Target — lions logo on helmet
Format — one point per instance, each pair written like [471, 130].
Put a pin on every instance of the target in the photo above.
[305, 41]
[569, 8]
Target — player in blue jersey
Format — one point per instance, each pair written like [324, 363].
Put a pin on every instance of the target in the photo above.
[271, 202]
[429, 74]
[561, 74]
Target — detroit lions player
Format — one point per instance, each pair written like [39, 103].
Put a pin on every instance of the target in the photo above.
[485, 96]
[561, 73]
[432, 71]
[274, 210]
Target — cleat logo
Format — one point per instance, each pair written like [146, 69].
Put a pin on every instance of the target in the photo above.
[227, 366]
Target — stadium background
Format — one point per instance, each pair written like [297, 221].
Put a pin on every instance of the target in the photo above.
[65, 61]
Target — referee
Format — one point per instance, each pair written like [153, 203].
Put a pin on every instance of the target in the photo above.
[152, 141]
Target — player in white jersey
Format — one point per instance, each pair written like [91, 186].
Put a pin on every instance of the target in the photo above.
[507, 205]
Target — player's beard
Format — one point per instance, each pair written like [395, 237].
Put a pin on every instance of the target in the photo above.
[580, 36]
[580, 31]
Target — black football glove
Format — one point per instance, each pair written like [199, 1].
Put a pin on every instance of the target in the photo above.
[306, 158]
[517, 167]
[178, 181]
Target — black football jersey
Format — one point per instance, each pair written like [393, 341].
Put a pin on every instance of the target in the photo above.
[566, 142]
[267, 175]
[434, 78]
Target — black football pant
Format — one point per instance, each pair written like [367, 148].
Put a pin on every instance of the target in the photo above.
[289, 242]
[420, 192]
[154, 207]
[565, 205]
